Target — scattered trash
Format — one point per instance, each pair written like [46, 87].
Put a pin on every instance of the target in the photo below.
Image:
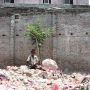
[23, 78]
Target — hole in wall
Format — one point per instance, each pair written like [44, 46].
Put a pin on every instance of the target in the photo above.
[71, 33]
[17, 34]
[3, 35]
[60, 34]
[86, 33]
[16, 16]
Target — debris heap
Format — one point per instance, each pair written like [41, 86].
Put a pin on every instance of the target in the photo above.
[23, 78]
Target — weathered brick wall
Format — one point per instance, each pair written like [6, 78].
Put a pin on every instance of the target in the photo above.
[72, 41]
[5, 42]
[28, 1]
[23, 45]
[1, 1]
[56, 2]
[81, 2]
[38, 1]
[59, 2]
[14, 46]
[70, 45]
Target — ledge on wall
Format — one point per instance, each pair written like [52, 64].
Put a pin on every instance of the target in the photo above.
[67, 6]
[10, 9]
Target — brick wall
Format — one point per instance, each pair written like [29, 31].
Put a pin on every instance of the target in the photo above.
[5, 42]
[56, 2]
[70, 45]
[22, 44]
[28, 1]
[72, 41]
[81, 2]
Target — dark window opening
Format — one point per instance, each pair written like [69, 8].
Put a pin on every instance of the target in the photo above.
[47, 1]
[71, 1]
[12, 1]
[16, 16]
[8, 1]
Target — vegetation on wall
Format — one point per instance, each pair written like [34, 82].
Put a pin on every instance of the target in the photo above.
[38, 34]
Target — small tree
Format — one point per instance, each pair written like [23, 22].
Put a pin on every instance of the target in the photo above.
[37, 34]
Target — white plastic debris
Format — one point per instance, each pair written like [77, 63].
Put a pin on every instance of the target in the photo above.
[22, 78]
[49, 64]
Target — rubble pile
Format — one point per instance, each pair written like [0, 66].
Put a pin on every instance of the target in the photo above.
[23, 78]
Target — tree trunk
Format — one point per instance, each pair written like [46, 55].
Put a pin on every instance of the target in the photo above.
[38, 49]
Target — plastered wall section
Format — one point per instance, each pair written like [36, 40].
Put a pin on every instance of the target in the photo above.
[56, 2]
[28, 1]
[36, 1]
[5, 42]
[71, 46]
[15, 47]
[81, 2]
[23, 44]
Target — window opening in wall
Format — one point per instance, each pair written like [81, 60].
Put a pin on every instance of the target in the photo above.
[71, 1]
[12, 1]
[68, 1]
[8, 1]
[16, 16]
[46, 1]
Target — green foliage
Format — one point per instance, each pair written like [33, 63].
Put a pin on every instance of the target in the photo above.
[37, 33]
